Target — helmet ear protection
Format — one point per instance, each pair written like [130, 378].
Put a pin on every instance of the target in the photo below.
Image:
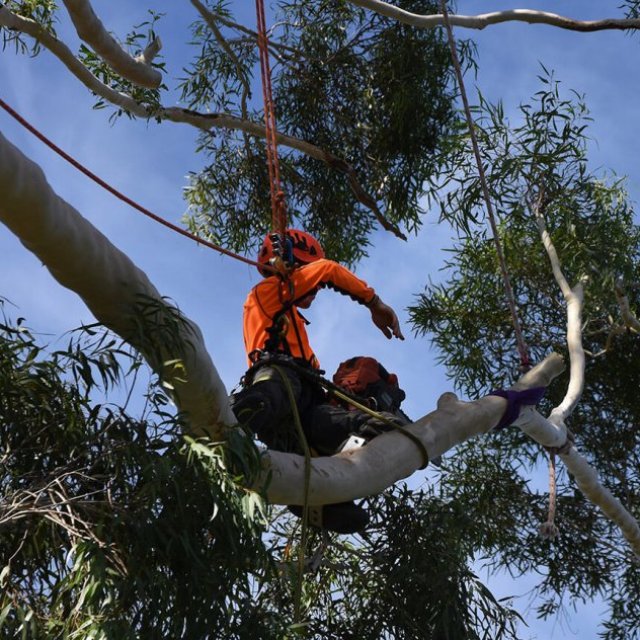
[282, 249]
[287, 253]
[296, 247]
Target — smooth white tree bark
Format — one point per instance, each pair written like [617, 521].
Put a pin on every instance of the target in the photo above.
[392, 456]
[480, 21]
[82, 259]
[90, 29]
[117, 292]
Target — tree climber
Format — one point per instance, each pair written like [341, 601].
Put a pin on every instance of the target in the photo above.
[281, 359]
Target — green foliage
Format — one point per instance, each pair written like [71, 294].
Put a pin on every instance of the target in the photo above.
[364, 88]
[113, 526]
[631, 8]
[373, 97]
[119, 527]
[589, 220]
[541, 165]
[41, 12]
[408, 578]
[233, 71]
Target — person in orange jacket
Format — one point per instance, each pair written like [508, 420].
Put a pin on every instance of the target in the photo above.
[275, 334]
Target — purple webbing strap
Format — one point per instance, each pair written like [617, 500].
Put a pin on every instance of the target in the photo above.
[515, 401]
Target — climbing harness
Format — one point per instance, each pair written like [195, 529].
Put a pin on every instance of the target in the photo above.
[265, 358]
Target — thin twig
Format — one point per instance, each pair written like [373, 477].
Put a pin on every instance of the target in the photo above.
[210, 19]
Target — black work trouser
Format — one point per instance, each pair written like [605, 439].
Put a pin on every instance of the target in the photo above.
[265, 408]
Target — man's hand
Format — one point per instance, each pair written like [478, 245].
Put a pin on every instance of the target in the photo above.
[385, 318]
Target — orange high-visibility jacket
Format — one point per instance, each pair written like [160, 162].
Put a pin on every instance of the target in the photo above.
[272, 303]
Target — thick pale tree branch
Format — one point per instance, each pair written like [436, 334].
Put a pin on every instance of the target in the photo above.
[92, 31]
[118, 294]
[551, 433]
[392, 456]
[187, 116]
[481, 21]
[588, 482]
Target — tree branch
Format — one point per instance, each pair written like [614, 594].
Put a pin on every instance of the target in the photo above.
[207, 121]
[118, 293]
[210, 19]
[187, 116]
[481, 21]
[92, 31]
[585, 476]
[573, 298]
[392, 456]
[278, 46]
[67, 57]
[83, 260]
[80, 258]
[628, 317]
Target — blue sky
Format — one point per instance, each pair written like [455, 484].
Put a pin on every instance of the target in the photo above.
[149, 163]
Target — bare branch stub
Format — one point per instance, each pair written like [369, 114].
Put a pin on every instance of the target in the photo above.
[91, 30]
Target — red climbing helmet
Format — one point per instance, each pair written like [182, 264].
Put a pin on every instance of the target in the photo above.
[300, 247]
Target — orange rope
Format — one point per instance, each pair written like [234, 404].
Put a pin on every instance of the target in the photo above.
[278, 204]
[72, 161]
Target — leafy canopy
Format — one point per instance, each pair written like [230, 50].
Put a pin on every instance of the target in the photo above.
[114, 526]
[541, 164]
[373, 93]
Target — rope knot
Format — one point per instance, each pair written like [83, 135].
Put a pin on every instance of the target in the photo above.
[563, 449]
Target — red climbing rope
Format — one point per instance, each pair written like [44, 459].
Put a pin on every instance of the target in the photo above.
[525, 362]
[278, 204]
[14, 114]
